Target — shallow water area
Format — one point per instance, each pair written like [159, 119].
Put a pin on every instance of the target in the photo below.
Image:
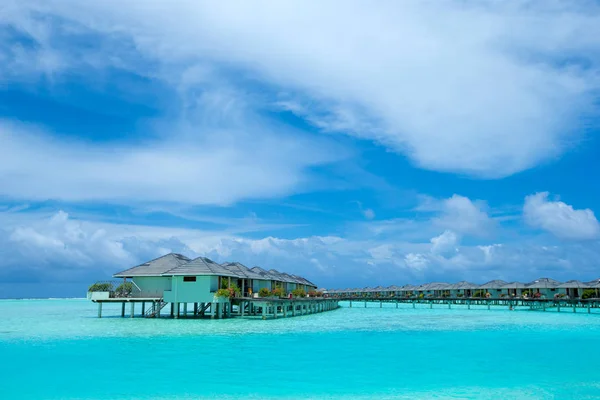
[348, 353]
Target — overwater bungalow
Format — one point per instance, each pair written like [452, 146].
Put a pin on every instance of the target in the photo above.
[380, 291]
[394, 291]
[432, 289]
[463, 289]
[514, 289]
[595, 284]
[572, 289]
[492, 288]
[176, 279]
[543, 287]
[408, 290]
[368, 292]
[148, 279]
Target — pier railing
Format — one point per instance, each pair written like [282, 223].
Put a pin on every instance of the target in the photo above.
[122, 290]
[429, 297]
[532, 303]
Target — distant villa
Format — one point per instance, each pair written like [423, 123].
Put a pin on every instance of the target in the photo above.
[545, 288]
[213, 289]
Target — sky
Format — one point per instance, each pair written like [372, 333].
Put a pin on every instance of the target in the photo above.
[353, 144]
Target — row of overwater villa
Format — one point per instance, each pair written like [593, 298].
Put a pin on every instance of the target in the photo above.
[544, 288]
[204, 288]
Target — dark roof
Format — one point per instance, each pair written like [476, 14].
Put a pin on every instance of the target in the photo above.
[464, 285]
[574, 284]
[303, 281]
[543, 283]
[594, 284]
[155, 267]
[433, 286]
[495, 284]
[514, 285]
[176, 264]
[263, 273]
[241, 270]
[409, 287]
[201, 266]
[278, 276]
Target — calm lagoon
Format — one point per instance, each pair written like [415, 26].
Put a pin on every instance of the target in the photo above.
[58, 349]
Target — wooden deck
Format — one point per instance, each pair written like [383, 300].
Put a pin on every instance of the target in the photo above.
[510, 303]
[264, 308]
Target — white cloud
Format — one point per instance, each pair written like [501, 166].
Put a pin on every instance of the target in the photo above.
[59, 248]
[492, 99]
[488, 252]
[446, 243]
[416, 261]
[462, 215]
[221, 167]
[559, 218]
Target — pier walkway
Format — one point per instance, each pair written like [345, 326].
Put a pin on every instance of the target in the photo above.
[261, 307]
[571, 305]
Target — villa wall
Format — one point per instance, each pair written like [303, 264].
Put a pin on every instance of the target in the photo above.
[152, 286]
[258, 284]
[201, 291]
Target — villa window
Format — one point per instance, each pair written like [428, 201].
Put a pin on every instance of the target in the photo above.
[189, 279]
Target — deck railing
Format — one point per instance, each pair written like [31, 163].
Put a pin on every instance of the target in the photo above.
[116, 290]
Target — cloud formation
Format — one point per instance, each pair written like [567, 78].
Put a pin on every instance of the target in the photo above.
[462, 215]
[59, 249]
[219, 168]
[446, 243]
[454, 86]
[559, 218]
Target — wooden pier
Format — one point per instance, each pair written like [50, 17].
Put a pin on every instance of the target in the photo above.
[262, 308]
[560, 305]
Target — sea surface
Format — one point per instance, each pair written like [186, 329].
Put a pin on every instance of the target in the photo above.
[59, 349]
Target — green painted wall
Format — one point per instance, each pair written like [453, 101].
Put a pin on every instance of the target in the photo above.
[258, 284]
[152, 286]
[201, 291]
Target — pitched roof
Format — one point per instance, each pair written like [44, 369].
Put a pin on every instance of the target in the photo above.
[304, 281]
[155, 267]
[433, 286]
[278, 276]
[464, 285]
[543, 283]
[495, 284]
[514, 285]
[289, 278]
[264, 275]
[409, 287]
[241, 270]
[201, 266]
[574, 284]
[594, 284]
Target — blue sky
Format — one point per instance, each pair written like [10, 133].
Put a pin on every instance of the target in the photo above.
[352, 144]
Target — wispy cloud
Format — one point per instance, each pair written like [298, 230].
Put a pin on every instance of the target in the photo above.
[454, 86]
[218, 168]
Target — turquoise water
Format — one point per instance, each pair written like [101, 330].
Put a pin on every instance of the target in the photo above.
[58, 349]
